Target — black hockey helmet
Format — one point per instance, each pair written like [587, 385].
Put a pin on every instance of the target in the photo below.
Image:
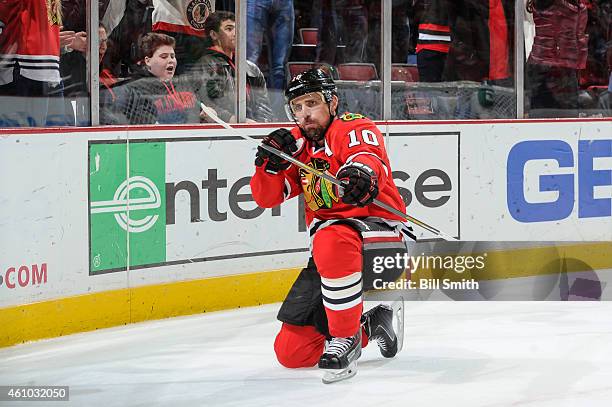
[313, 80]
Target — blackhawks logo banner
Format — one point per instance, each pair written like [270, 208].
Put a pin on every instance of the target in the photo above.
[182, 16]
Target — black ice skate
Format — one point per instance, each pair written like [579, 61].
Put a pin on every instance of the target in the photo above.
[340, 358]
[378, 325]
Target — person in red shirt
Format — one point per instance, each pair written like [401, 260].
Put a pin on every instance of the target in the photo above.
[326, 299]
[31, 92]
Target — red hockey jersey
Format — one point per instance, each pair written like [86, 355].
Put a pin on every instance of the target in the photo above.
[29, 39]
[350, 138]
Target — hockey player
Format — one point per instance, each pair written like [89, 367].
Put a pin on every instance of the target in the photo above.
[326, 299]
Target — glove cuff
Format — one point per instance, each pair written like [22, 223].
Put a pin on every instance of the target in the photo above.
[354, 164]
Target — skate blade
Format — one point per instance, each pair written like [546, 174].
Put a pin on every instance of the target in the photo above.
[338, 375]
[398, 322]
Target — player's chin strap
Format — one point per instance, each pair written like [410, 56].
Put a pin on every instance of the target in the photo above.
[325, 176]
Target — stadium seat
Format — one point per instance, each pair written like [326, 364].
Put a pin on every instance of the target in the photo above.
[309, 35]
[404, 73]
[356, 71]
[299, 67]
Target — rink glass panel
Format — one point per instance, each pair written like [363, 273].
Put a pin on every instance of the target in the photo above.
[351, 33]
[453, 60]
[43, 83]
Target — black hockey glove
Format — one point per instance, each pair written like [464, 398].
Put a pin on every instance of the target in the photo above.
[282, 140]
[360, 184]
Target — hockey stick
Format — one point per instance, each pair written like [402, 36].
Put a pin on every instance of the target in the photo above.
[325, 176]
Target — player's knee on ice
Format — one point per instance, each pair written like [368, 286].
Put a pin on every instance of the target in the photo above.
[298, 346]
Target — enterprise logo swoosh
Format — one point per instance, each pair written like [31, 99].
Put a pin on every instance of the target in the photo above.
[119, 204]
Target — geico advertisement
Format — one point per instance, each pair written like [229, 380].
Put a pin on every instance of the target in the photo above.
[551, 180]
[188, 200]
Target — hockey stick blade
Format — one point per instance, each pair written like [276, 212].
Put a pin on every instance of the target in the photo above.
[325, 176]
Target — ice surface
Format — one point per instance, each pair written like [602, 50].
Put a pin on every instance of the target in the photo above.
[455, 354]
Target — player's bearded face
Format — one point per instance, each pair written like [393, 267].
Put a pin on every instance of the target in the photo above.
[311, 112]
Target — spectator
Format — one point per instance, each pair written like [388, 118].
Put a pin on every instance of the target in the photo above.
[184, 20]
[153, 96]
[559, 51]
[127, 21]
[74, 17]
[29, 72]
[481, 40]
[357, 25]
[107, 79]
[217, 72]
[480, 51]
[404, 32]
[341, 22]
[73, 67]
[275, 20]
[434, 39]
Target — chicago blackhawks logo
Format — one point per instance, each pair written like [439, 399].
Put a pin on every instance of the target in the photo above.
[197, 13]
[349, 117]
[318, 193]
